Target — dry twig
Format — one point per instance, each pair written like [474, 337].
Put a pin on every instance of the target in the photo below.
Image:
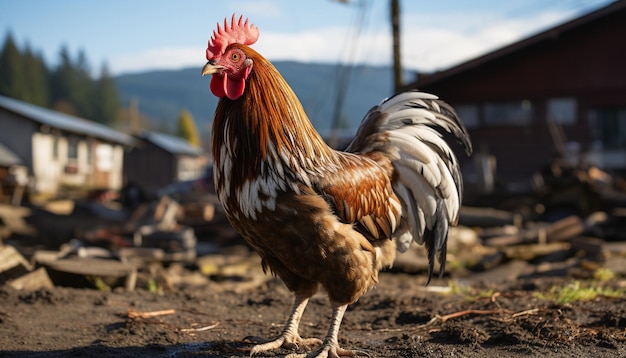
[134, 314]
[494, 296]
[468, 312]
[200, 329]
[147, 318]
[525, 313]
[444, 318]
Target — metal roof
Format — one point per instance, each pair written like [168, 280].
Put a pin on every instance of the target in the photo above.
[171, 144]
[7, 157]
[63, 121]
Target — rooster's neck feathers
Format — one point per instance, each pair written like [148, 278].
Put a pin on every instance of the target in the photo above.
[264, 141]
[267, 119]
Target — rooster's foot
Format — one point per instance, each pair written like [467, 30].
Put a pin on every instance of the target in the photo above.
[329, 350]
[287, 341]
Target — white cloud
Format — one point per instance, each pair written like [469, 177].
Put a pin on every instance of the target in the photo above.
[429, 42]
[432, 47]
[159, 58]
[309, 46]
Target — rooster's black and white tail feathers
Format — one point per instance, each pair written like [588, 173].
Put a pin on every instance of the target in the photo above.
[407, 128]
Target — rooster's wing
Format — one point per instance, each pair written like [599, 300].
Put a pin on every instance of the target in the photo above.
[399, 178]
[361, 193]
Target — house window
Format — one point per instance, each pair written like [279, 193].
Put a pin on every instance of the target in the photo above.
[608, 126]
[90, 145]
[562, 110]
[469, 114]
[509, 113]
[72, 148]
[104, 157]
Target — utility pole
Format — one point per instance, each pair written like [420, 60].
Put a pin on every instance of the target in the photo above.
[395, 29]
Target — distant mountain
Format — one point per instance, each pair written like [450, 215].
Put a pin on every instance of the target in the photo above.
[162, 94]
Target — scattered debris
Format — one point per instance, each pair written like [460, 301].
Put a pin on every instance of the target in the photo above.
[571, 223]
[34, 280]
[542, 233]
[19, 273]
[12, 264]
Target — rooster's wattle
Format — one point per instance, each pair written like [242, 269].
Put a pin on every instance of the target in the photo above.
[315, 215]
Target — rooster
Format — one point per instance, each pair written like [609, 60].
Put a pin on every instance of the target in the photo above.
[315, 215]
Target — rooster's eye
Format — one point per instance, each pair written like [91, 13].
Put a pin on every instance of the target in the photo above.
[235, 57]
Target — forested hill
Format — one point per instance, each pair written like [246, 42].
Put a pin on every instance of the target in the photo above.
[161, 95]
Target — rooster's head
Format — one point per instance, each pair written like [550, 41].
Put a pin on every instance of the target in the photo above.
[227, 61]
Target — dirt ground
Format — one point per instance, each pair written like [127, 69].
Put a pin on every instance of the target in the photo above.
[400, 318]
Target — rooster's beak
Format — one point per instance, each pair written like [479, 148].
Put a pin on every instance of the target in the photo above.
[211, 68]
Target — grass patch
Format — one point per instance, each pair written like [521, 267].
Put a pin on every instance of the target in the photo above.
[603, 274]
[468, 292]
[98, 283]
[576, 292]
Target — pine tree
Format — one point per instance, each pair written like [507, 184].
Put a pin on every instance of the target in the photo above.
[12, 81]
[83, 95]
[69, 88]
[37, 78]
[106, 98]
[64, 81]
[72, 86]
[186, 128]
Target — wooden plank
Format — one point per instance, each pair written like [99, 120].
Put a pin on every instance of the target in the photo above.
[532, 251]
[560, 230]
[487, 217]
[34, 280]
[592, 248]
[14, 220]
[91, 267]
[84, 272]
[12, 264]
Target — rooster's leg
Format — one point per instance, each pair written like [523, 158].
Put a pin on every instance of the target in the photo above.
[290, 338]
[330, 347]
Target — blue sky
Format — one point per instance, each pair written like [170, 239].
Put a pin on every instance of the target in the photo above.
[134, 35]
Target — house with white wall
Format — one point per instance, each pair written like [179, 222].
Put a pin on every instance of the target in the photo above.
[62, 150]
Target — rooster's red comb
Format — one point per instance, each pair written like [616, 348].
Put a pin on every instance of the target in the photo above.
[237, 32]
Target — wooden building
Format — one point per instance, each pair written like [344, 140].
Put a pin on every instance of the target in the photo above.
[160, 159]
[13, 176]
[561, 92]
[61, 150]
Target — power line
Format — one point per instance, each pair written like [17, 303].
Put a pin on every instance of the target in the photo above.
[345, 66]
